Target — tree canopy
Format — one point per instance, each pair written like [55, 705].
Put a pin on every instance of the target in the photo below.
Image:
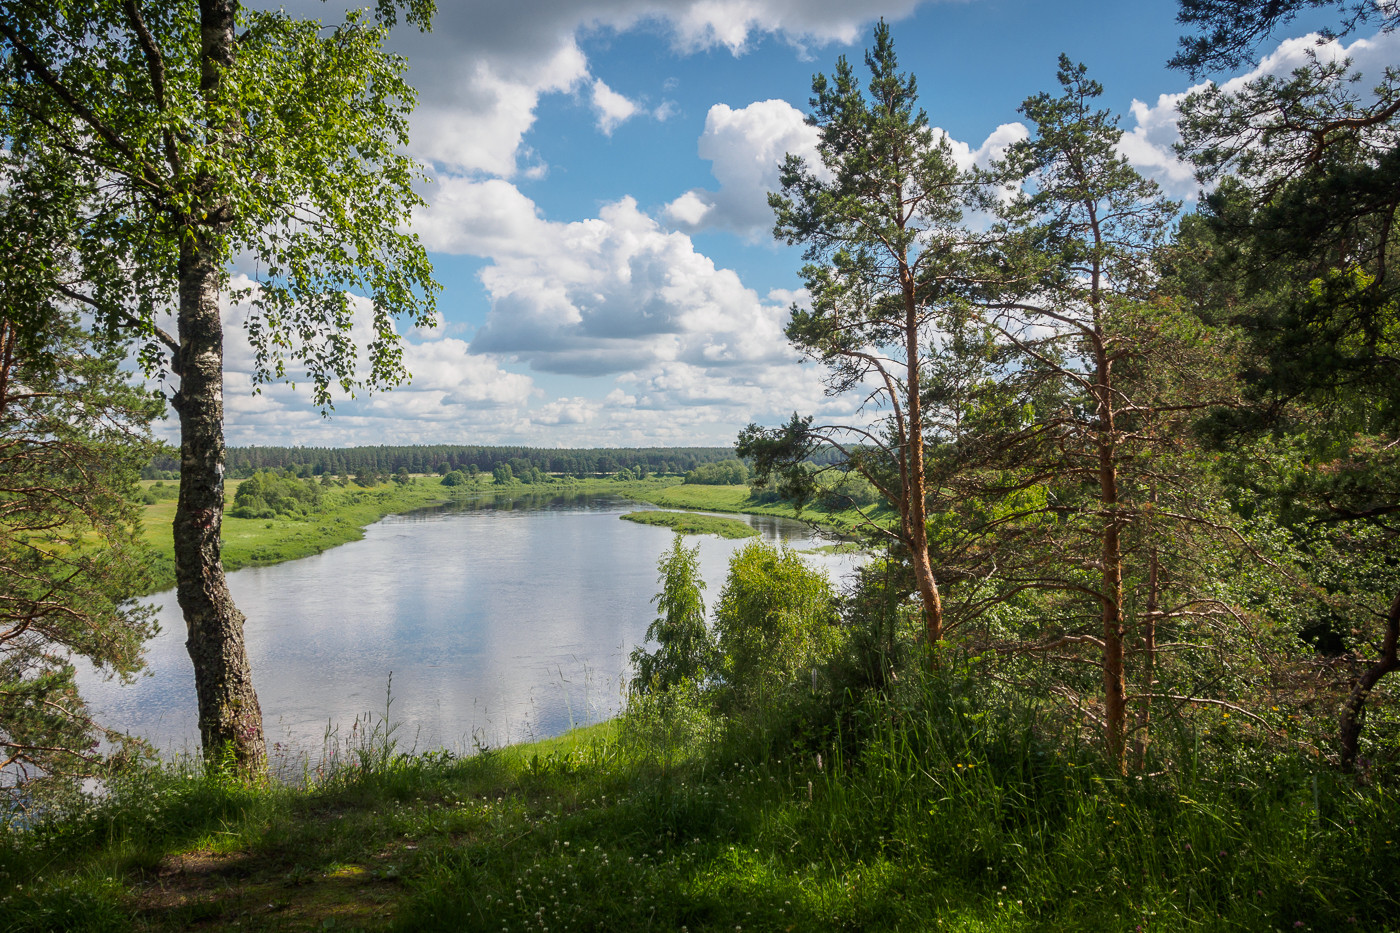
[194, 133]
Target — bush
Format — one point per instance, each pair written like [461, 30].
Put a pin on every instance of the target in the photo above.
[724, 473]
[269, 494]
[776, 619]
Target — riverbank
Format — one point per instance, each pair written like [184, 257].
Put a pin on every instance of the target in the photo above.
[346, 511]
[739, 499]
[341, 518]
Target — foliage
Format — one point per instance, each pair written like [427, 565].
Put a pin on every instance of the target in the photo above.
[725, 473]
[454, 478]
[775, 619]
[268, 494]
[1232, 29]
[122, 93]
[73, 437]
[690, 524]
[1295, 247]
[685, 650]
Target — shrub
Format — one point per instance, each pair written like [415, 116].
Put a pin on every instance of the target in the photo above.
[776, 618]
[724, 473]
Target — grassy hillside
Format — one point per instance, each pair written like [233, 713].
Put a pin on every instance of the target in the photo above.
[932, 815]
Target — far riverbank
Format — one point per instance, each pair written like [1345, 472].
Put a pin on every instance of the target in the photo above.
[346, 511]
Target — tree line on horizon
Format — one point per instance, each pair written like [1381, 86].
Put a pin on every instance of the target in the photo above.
[444, 458]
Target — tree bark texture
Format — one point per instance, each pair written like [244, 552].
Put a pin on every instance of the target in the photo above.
[916, 509]
[1353, 710]
[230, 720]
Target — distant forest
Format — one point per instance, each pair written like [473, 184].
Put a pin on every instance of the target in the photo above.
[442, 458]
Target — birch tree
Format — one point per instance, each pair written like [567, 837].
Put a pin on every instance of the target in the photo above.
[207, 131]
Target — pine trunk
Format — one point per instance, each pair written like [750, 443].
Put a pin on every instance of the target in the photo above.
[1149, 653]
[1115, 694]
[1353, 711]
[915, 508]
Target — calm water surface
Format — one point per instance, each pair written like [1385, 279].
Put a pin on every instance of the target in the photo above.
[499, 620]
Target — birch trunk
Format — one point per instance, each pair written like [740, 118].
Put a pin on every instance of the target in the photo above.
[230, 719]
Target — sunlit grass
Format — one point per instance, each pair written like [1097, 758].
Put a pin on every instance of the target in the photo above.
[917, 815]
[688, 523]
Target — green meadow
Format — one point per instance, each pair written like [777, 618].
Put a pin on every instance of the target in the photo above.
[691, 524]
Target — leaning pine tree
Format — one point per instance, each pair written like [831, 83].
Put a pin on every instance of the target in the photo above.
[880, 218]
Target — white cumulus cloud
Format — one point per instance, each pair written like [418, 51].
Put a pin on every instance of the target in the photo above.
[1148, 143]
[612, 108]
[745, 148]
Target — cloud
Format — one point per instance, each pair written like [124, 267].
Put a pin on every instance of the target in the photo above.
[479, 123]
[704, 24]
[627, 295]
[483, 68]
[452, 393]
[679, 351]
[683, 349]
[612, 108]
[745, 149]
[993, 147]
[1148, 144]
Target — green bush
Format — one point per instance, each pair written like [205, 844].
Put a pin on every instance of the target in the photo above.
[776, 619]
[269, 494]
[724, 473]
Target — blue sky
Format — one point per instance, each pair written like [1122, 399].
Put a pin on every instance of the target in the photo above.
[598, 217]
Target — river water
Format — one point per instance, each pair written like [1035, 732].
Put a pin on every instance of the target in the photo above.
[500, 620]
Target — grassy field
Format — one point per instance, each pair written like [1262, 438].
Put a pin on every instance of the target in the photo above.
[930, 816]
[688, 523]
[734, 499]
[254, 541]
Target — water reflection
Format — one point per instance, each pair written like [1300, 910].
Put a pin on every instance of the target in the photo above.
[500, 619]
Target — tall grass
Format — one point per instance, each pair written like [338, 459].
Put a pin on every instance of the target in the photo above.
[938, 804]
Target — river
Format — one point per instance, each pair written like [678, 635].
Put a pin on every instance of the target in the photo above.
[500, 620]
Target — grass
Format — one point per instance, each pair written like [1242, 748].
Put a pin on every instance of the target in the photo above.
[740, 499]
[921, 814]
[249, 542]
[688, 523]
